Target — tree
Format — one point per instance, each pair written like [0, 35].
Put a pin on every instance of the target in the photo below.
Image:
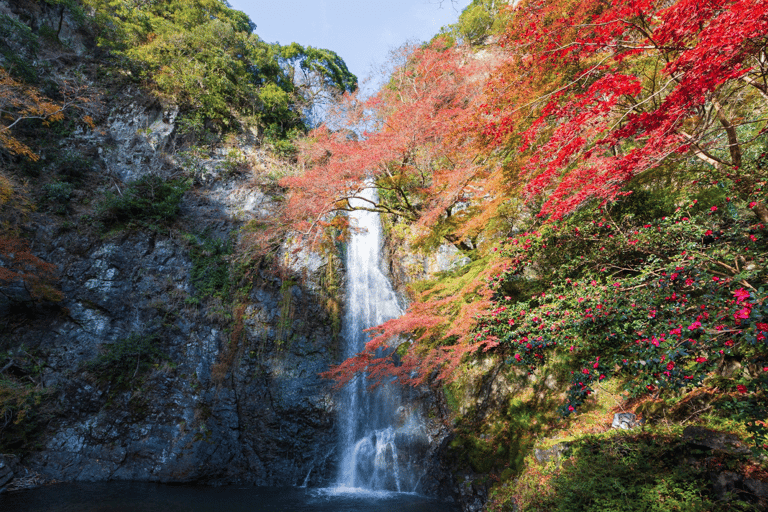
[412, 145]
[627, 86]
[19, 103]
[204, 56]
[20, 266]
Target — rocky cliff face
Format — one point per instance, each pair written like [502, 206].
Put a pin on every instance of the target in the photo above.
[211, 409]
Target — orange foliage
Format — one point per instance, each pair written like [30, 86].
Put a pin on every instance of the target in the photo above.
[19, 265]
[17, 103]
[413, 143]
[437, 332]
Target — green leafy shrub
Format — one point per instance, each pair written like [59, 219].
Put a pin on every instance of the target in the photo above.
[123, 365]
[56, 196]
[210, 274]
[26, 405]
[21, 415]
[640, 473]
[73, 167]
[661, 304]
[204, 56]
[18, 47]
[149, 202]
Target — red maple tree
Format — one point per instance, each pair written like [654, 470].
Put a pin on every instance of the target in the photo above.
[621, 86]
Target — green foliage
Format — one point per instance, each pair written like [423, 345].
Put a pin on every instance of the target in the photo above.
[25, 405]
[123, 365]
[287, 310]
[18, 47]
[479, 20]
[280, 141]
[56, 196]
[20, 418]
[625, 473]
[325, 63]
[149, 202]
[661, 303]
[210, 274]
[203, 56]
[73, 167]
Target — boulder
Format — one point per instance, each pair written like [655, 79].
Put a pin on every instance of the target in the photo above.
[704, 437]
[624, 421]
[6, 470]
[554, 453]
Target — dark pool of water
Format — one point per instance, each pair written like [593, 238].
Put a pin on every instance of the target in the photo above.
[145, 497]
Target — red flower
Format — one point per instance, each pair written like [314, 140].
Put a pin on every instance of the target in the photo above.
[742, 313]
[741, 295]
[742, 388]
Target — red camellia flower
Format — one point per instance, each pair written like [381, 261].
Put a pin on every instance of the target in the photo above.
[701, 359]
[742, 313]
[741, 295]
[741, 388]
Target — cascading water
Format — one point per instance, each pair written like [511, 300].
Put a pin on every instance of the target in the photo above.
[381, 440]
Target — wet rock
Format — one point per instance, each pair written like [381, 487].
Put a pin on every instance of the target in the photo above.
[728, 485]
[472, 493]
[724, 484]
[758, 489]
[6, 473]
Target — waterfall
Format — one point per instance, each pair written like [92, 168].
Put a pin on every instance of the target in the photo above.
[381, 438]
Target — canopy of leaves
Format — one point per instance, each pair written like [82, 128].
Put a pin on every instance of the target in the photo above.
[203, 55]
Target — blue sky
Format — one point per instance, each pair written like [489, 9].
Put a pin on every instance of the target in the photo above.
[360, 31]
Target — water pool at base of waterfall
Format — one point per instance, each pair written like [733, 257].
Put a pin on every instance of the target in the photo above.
[148, 497]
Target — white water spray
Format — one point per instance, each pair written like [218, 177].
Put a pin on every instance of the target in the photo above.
[378, 432]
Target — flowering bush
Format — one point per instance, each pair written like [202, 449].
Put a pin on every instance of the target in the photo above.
[663, 304]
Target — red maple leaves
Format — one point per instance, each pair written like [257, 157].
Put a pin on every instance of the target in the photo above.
[635, 82]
